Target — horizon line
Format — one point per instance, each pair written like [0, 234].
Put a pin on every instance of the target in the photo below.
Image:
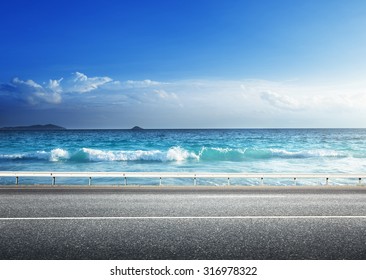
[24, 128]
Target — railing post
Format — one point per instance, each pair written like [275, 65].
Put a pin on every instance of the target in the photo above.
[89, 175]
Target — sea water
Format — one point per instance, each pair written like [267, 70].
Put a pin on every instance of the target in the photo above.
[196, 150]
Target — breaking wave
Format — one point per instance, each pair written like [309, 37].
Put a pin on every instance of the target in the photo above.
[253, 153]
[175, 154]
[91, 155]
[53, 155]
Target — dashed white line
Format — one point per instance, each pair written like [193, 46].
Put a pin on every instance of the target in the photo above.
[241, 196]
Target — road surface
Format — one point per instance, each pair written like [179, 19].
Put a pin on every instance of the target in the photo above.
[182, 222]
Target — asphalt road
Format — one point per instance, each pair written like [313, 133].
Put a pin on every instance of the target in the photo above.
[183, 223]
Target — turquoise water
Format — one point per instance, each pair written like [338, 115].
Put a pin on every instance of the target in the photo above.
[226, 150]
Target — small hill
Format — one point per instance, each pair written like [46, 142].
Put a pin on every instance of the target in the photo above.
[35, 127]
[137, 128]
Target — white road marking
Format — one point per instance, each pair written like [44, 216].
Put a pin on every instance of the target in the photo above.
[241, 196]
[182, 218]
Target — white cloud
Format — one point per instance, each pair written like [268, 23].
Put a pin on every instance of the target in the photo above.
[55, 85]
[142, 84]
[280, 101]
[51, 92]
[26, 84]
[164, 94]
[34, 93]
[80, 83]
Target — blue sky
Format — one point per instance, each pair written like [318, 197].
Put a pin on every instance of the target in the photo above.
[167, 64]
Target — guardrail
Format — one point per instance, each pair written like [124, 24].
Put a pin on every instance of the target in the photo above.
[194, 176]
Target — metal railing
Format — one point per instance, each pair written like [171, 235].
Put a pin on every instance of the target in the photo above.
[194, 176]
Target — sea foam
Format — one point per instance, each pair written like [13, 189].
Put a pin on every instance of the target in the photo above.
[53, 155]
[172, 154]
[175, 153]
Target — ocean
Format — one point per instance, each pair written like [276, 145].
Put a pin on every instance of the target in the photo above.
[184, 150]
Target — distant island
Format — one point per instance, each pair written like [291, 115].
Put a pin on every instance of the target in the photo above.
[35, 127]
[136, 128]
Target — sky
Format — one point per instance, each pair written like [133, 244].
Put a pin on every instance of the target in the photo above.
[183, 63]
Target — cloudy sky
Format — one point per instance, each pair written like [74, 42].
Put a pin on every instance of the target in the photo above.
[183, 64]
